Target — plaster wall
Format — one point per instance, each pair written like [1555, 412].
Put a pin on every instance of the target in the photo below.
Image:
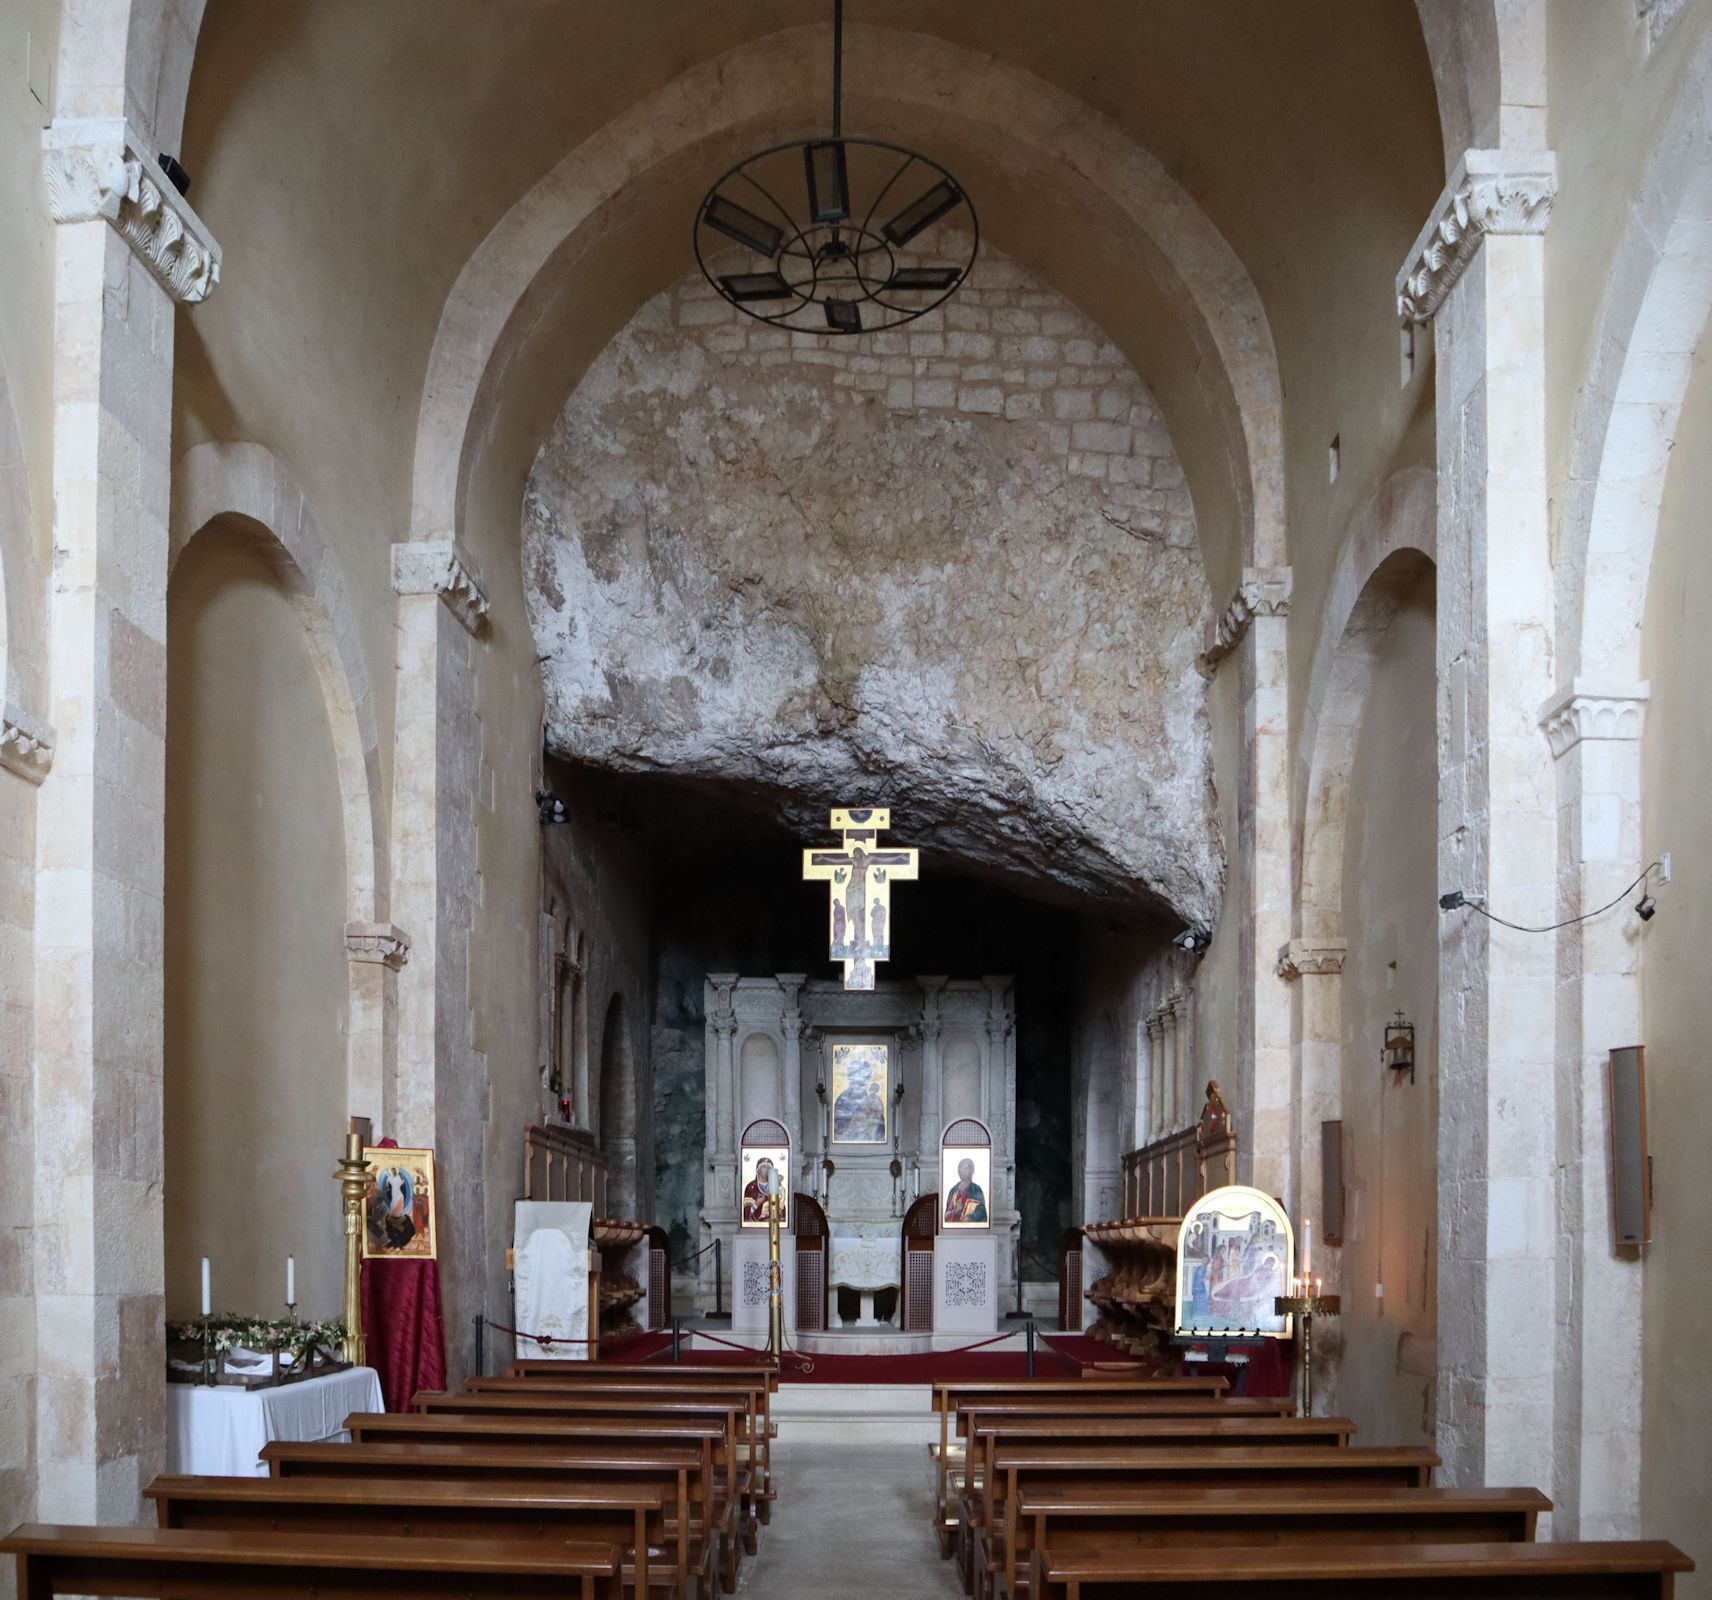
[256, 982]
[1676, 755]
[1387, 1369]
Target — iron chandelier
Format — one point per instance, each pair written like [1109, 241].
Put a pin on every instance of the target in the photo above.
[830, 266]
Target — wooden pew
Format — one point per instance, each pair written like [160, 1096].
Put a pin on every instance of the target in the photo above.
[986, 1532]
[709, 1427]
[178, 1564]
[759, 1385]
[630, 1515]
[949, 1397]
[749, 1438]
[1066, 1519]
[683, 1473]
[1020, 1466]
[1614, 1570]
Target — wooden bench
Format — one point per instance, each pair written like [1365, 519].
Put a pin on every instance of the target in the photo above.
[760, 1383]
[684, 1475]
[949, 1398]
[749, 1433]
[1071, 1519]
[1021, 1466]
[180, 1564]
[711, 1429]
[1615, 1570]
[981, 1511]
[630, 1515]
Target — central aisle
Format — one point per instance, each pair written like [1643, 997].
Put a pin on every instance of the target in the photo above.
[851, 1521]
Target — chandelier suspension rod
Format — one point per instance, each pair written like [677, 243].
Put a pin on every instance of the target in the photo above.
[837, 69]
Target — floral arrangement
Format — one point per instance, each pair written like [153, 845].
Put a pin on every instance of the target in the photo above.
[232, 1332]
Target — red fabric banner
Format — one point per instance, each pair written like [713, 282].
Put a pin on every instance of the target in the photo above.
[403, 1325]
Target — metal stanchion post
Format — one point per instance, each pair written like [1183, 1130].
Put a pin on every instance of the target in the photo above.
[677, 1338]
[1031, 1347]
[481, 1345]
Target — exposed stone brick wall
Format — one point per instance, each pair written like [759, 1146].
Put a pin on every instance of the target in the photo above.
[952, 568]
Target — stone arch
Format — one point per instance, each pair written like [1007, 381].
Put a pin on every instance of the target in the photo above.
[1392, 540]
[508, 284]
[246, 482]
[962, 1069]
[1655, 312]
[1489, 68]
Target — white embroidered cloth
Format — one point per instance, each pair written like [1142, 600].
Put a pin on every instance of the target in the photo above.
[859, 1263]
[550, 1267]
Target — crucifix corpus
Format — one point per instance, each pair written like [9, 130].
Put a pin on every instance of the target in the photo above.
[860, 874]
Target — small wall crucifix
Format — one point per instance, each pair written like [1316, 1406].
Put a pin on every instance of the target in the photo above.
[860, 874]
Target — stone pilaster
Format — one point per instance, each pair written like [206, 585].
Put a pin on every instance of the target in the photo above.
[1155, 1024]
[439, 1093]
[790, 1029]
[932, 1069]
[1181, 1005]
[1594, 731]
[1478, 270]
[127, 249]
[1250, 632]
[377, 950]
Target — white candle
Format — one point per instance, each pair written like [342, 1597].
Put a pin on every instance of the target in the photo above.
[291, 1280]
[1307, 1246]
[207, 1304]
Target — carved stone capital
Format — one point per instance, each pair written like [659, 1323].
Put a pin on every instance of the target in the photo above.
[1261, 592]
[442, 567]
[1491, 191]
[97, 169]
[26, 746]
[379, 942]
[1304, 958]
[1587, 711]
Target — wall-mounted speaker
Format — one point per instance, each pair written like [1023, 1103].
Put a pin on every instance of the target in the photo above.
[1631, 1167]
[1331, 1180]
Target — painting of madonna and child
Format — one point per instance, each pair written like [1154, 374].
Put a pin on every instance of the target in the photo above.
[1235, 1254]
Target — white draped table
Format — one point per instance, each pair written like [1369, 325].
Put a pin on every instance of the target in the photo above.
[864, 1264]
[221, 1430]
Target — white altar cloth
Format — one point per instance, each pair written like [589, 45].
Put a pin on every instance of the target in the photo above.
[221, 1430]
[859, 1263]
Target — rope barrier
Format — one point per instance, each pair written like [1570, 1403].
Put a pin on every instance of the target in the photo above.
[691, 1260]
[545, 1340]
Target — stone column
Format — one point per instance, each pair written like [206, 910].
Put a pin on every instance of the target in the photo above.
[1156, 1068]
[723, 1020]
[1183, 1027]
[790, 1024]
[932, 1070]
[1252, 628]
[127, 252]
[1594, 733]
[377, 951]
[1168, 1066]
[440, 1095]
[1141, 1129]
[1478, 272]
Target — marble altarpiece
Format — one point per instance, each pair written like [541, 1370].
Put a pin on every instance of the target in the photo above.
[770, 1044]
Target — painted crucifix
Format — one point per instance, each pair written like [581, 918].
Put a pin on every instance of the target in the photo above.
[860, 874]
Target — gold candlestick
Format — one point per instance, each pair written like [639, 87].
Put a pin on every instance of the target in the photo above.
[1307, 1307]
[776, 1280]
[353, 1180]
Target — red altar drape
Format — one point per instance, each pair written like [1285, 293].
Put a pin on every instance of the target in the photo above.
[403, 1325]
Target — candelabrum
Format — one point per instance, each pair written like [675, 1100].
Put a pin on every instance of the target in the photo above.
[353, 1180]
[208, 1374]
[775, 1281]
[1307, 1303]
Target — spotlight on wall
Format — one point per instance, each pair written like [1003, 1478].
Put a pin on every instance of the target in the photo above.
[549, 808]
[1194, 940]
[1646, 908]
[1398, 1052]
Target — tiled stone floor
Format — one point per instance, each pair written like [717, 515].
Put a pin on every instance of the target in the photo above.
[850, 1521]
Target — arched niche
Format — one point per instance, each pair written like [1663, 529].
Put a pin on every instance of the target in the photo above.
[962, 1073]
[759, 1069]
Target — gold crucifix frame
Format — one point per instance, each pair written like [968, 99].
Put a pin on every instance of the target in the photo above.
[860, 873]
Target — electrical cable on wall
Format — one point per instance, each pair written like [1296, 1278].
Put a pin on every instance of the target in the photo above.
[1645, 907]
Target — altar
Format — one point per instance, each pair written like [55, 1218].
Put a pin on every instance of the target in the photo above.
[862, 1085]
[866, 1265]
